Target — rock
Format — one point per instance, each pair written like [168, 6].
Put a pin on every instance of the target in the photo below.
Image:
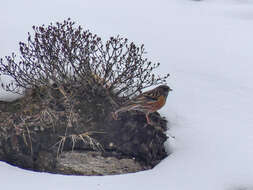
[94, 163]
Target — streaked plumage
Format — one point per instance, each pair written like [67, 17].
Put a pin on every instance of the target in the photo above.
[147, 102]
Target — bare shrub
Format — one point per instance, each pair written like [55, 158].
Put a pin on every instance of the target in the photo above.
[68, 57]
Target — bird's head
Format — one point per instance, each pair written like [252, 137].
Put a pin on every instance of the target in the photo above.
[165, 89]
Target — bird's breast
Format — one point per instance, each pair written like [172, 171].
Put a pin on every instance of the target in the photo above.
[159, 103]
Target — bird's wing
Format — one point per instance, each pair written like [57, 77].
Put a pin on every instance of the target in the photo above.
[152, 95]
[146, 97]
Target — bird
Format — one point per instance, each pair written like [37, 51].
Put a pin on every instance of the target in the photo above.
[147, 102]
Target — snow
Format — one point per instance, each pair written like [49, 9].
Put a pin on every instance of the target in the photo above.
[206, 46]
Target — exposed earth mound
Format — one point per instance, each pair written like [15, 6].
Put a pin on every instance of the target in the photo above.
[51, 130]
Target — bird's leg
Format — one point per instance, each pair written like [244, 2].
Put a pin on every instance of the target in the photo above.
[148, 119]
[150, 122]
[115, 115]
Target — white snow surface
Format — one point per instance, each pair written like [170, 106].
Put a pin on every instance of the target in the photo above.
[206, 46]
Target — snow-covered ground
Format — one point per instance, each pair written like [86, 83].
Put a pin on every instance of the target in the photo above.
[206, 46]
